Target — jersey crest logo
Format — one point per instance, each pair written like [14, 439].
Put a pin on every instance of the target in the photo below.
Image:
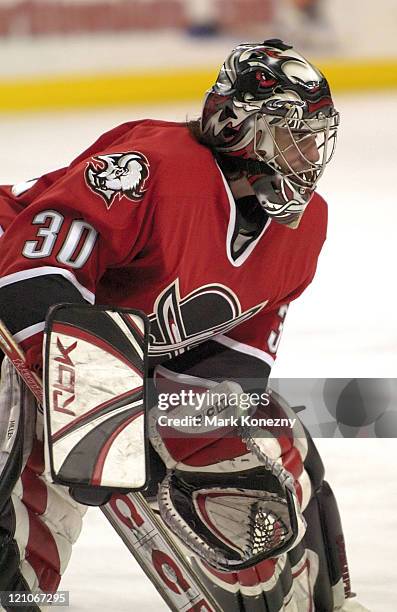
[178, 323]
[118, 175]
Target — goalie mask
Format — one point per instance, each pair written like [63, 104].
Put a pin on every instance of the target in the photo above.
[270, 117]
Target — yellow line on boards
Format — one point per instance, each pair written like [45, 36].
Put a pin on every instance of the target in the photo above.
[104, 90]
[74, 91]
[365, 75]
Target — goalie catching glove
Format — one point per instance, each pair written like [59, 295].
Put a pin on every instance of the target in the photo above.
[232, 491]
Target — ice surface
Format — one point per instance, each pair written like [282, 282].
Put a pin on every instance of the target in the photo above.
[344, 325]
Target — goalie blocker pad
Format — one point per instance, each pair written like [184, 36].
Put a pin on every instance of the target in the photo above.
[95, 372]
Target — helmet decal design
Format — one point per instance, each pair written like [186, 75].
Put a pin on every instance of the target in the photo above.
[270, 104]
[118, 175]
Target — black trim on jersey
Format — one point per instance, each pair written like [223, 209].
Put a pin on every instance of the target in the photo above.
[214, 361]
[26, 302]
[250, 222]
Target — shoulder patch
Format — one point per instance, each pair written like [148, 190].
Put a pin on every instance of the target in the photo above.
[118, 175]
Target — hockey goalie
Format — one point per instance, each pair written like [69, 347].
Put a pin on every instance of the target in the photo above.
[210, 229]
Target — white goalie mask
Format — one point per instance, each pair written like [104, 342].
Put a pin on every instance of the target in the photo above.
[270, 105]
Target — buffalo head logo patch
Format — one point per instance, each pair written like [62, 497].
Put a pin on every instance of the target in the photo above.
[118, 175]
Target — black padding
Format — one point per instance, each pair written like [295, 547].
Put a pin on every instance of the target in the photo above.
[90, 496]
[21, 585]
[314, 540]
[334, 539]
[157, 472]
[214, 361]
[11, 578]
[18, 313]
[9, 560]
[313, 463]
[324, 535]
[12, 469]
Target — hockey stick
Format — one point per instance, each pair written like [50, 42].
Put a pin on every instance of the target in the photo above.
[138, 526]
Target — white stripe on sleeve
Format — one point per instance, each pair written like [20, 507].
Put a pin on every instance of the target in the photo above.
[244, 348]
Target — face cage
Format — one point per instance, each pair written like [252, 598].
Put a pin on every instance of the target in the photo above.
[322, 129]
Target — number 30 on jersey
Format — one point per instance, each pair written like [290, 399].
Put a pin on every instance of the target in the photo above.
[76, 248]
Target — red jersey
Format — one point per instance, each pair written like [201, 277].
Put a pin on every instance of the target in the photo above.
[145, 218]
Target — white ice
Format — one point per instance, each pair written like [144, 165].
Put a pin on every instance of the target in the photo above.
[345, 325]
